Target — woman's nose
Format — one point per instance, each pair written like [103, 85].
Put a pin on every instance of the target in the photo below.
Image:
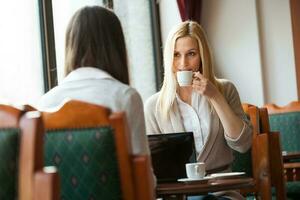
[183, 64]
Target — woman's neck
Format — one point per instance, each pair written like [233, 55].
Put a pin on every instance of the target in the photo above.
[185, 94]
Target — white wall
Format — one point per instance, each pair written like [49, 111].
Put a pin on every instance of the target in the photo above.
[277, 51]
[252, 45]
[232, 31]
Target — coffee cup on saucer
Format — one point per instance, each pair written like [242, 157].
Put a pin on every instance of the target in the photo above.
[195, 170]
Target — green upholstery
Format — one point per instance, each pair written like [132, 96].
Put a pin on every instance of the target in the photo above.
[9, 153]
[293, 189]
[288, 124]
[242, 162]
[86, 162]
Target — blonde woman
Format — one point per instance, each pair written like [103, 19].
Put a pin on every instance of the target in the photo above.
[209, 107]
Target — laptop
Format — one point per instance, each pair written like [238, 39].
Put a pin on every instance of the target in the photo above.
[170, 152]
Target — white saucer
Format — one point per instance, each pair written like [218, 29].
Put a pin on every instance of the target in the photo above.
[194, 179]
[229, 174]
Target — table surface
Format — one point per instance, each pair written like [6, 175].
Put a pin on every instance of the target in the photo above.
[291, 155]
[212, 185]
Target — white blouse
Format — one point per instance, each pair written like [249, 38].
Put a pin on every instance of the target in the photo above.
[194, 118]
[96, 86]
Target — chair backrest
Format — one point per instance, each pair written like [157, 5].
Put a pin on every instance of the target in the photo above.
[91, 148]
[21, 140]
[9, 151]
[276, 162]
[255, 162]
[143, 177]
[286, 120]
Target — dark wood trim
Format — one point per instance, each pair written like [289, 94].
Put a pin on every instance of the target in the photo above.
[295, 17]
[157, 44]
[48, 44]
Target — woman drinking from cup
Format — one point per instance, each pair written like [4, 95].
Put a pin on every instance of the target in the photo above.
[193, 99]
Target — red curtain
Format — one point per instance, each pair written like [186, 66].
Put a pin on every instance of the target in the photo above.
[190, 9]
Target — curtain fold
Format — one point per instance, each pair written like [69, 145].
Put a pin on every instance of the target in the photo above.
[190, 9]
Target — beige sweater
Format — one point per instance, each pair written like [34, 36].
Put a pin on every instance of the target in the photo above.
[217, 151]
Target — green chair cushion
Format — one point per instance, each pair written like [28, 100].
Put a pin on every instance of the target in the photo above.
[9, 154]
[250, 197]
[86, 162]
[293, 190]
[242, 162]
[288, 124]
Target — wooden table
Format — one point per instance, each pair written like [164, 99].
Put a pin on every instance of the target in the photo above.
[290, 155]
[181, 190]
[291, 168]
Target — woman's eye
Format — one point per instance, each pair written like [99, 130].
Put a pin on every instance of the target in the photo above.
[176, 54]
[191, 53]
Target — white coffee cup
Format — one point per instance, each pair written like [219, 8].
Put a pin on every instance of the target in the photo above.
[184, 78]
[195, 170]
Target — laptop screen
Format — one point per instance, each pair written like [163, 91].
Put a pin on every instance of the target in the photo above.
[170, 152]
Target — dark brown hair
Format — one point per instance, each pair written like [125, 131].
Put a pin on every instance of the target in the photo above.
[94, 38]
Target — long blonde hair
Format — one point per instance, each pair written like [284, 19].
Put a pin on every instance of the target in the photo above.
[168, 91]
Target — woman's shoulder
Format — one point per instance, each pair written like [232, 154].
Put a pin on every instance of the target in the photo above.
[129, 94]
[121, 89]
[229, 90]
[227, 85]
[49, 99]
[151, 101]
[225, 82]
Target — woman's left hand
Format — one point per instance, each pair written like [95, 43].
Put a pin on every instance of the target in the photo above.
[203, 86]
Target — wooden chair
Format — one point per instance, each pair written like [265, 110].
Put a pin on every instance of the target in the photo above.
[28, 107]
[266, 154]
[255, 162]
[142, 178]
[286, 120]
[21, 140]
[91, 148]
[276, 161]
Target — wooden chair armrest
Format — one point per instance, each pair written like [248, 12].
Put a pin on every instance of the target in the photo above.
[46, 184]
[292, 165]
[276, 163]
[292, 171]
[290, 156]
[143, 177]
[261, 166]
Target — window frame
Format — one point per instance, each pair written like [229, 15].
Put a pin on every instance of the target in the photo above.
[157, 43]
[48, 44]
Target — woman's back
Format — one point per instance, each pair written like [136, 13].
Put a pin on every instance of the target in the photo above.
[95, 86]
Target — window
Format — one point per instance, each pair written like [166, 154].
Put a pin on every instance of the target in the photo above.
[21, 70]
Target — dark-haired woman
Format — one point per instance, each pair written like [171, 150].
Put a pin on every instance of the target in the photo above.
[96, 70]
